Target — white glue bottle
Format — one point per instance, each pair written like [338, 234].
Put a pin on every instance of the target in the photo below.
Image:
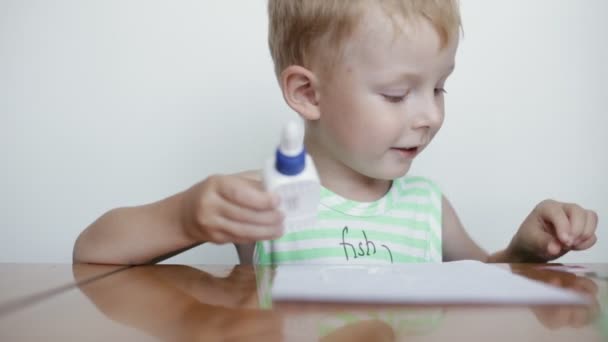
[292, 175]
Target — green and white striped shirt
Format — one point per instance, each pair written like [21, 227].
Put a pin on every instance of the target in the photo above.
[402, 226]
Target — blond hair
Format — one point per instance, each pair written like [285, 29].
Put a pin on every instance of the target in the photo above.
[303, 31]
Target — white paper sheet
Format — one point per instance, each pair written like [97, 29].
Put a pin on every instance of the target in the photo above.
[460, 282]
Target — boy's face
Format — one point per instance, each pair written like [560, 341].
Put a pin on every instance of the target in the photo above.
[383, 102]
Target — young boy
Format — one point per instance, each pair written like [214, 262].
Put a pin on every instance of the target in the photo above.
[367, 77]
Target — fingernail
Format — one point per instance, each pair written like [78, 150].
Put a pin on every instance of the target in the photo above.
[567, 239]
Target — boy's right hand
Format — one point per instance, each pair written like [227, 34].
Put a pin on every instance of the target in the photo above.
[230, 208]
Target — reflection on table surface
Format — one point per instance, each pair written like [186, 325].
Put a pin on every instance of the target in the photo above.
[209, 303]
[228, 304]
[26, 284]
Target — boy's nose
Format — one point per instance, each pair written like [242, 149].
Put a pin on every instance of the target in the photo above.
[428, 114]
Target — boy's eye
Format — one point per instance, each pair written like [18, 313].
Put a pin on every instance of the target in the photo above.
[393, 98]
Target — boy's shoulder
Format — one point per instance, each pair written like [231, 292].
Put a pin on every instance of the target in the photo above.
[409, 182]
[423, 191]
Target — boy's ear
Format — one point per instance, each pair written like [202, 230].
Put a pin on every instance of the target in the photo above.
[300, 90]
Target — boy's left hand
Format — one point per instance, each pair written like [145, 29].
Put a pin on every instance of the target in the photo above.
[551, 230]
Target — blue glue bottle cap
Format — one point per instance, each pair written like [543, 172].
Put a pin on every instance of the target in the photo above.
[291, 155]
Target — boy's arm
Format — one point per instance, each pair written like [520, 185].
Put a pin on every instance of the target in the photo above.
[457, 244]
[135, 235]
[220, 209]
[550, 231]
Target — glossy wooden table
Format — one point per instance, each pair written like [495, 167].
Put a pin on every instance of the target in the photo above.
[222, 303]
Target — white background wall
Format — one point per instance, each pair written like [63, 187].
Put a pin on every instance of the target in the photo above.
[114, 103]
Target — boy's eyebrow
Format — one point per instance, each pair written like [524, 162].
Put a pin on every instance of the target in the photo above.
[403, 76]
[411, 76]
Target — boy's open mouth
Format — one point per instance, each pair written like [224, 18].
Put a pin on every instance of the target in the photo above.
[408, 152]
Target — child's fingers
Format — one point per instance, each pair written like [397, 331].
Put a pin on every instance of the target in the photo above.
[553, 247]
[586, 243]
[234, 212]
[239, 232]
[546, 245]
[247, 193]
[578, 222]
[552, 212]
[590, 227]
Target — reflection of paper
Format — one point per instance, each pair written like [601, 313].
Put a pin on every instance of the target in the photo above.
[576, 269]
[424, 283]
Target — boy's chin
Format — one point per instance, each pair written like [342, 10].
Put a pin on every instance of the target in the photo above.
[394, 172]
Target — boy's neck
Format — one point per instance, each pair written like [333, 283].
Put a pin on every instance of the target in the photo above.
[343, 180]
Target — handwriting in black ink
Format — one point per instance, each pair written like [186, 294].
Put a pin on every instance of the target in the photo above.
[389, 253]
[361, 252]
